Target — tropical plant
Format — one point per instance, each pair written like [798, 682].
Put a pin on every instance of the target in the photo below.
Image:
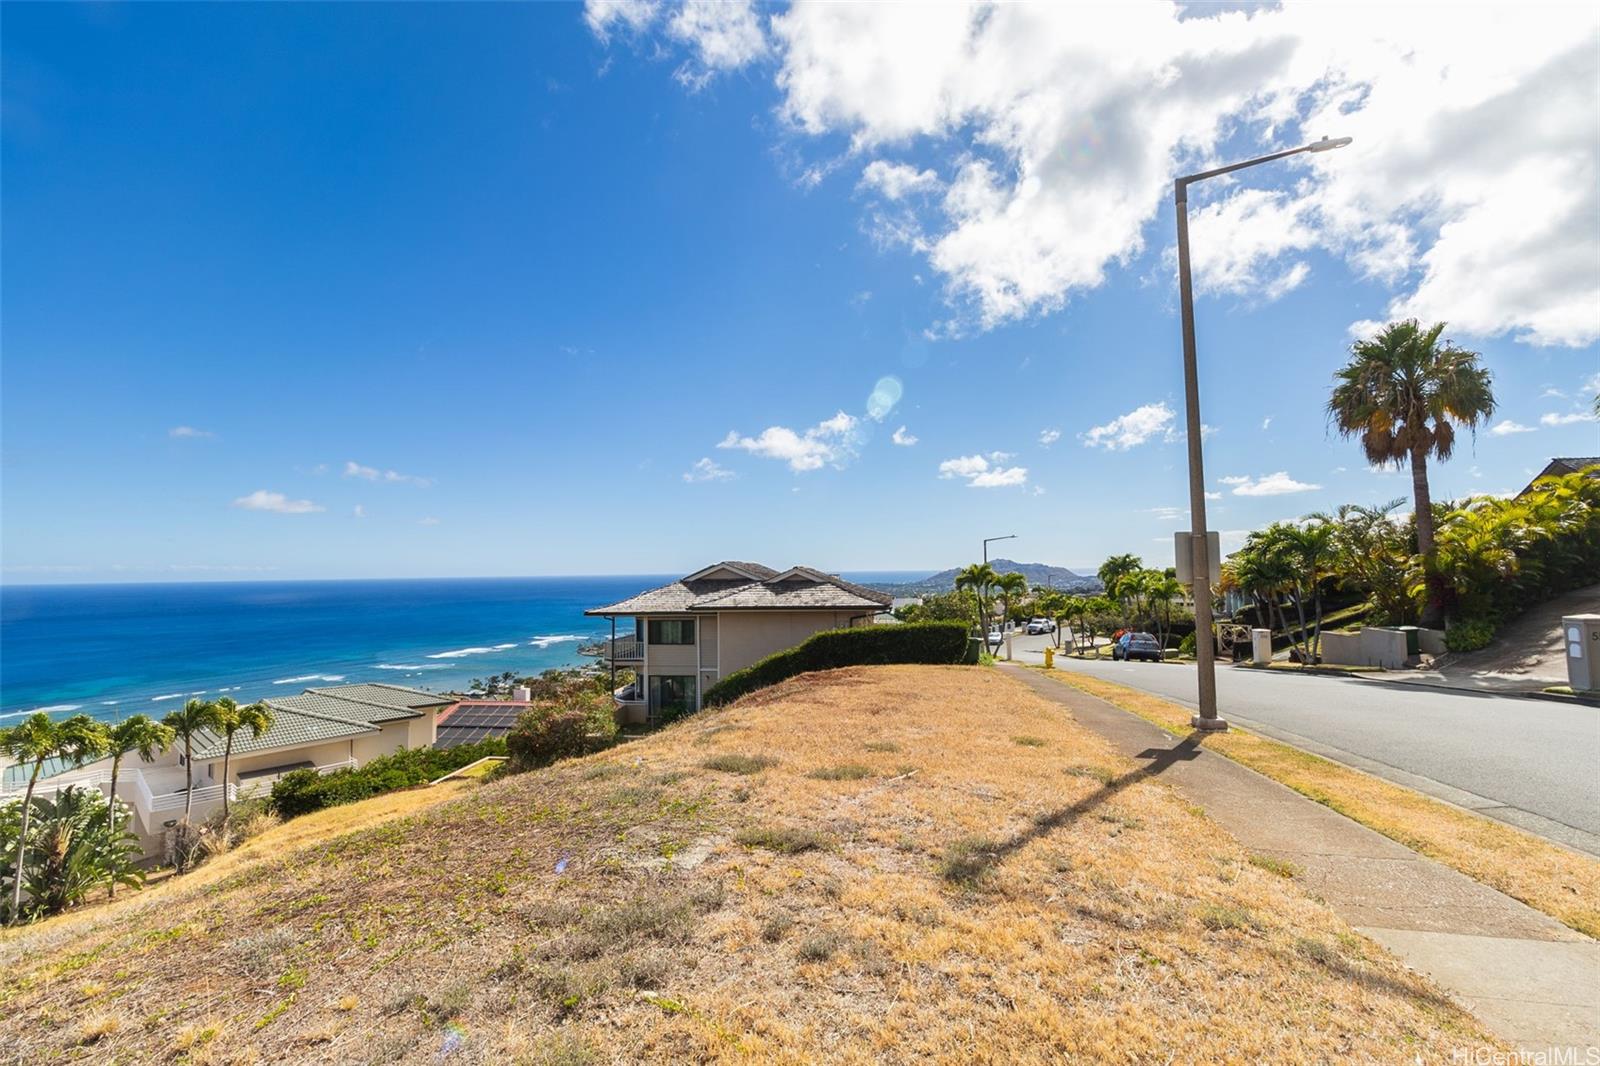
[978, 579]
[39, 739]
[1371, 555]
[197, 717]
[138, 733]
[1403, 393]
[230, 719]
[1113, 573]
[73, 848]
[1162, 592]
[1010, 587]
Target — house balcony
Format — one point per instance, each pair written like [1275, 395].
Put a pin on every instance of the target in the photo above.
[622, 650]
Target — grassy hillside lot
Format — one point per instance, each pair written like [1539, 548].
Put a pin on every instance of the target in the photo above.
[874, 864]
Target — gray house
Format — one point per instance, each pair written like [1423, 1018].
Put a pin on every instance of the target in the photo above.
[717, 620]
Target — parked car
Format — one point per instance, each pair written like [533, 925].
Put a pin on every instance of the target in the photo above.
[1132, 646]
[1037, 626]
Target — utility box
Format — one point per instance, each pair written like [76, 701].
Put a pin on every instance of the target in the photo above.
[1580, 637]
[1261, 645]
[1413, 640]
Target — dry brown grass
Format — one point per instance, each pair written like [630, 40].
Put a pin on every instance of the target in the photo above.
[972, 901]
[1562, 883]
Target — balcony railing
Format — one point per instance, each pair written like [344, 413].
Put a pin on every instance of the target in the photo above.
[133, 787]
[623, 649]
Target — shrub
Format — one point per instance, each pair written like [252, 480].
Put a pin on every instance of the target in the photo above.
[916, 642]
[1186, 645]
[549, 730]
[303, 791]
[1470, 635]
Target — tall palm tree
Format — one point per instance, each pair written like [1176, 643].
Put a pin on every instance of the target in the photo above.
[39, 739]
[979, 578]
[1114, 573]
[138, 733]
[1403, 393]
[1011, 587]
[196, 717]
[230, 719]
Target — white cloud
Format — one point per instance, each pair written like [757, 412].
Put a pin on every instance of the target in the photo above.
[360, 511]
[1167, 514]
[1266, 423]
[1469, 192]
[262, 500]
[979, 472]
[707, 470]
[1049, 436]
[1132, 429]
[902, 438]
[1506, 427]
[896, 181]
[724, 35]
[1278, 484]
[428, 521]
[368, 473]
[1570, 419]
[1213, 495]
[190, 433]
[829, 443]
[603, 16]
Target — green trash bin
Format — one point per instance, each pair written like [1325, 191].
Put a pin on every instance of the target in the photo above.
[1413, 640]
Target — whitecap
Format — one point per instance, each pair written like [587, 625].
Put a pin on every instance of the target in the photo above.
[460, 653]
[57, 708]
[413, 666]
[168, 696]
[503, 647]
[308, 677]
[545, 642]
[109, 703]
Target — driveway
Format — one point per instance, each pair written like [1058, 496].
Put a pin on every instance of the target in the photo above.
[1532, 763]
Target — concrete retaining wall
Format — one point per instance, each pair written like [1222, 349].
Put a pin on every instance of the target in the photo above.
[1373, 646]
[1432, 641]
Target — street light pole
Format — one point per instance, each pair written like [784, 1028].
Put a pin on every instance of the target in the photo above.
[1008, 536]
[1200, 560]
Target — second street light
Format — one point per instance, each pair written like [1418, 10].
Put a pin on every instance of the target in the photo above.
[1205, 642]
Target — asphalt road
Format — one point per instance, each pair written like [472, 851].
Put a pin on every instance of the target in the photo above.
[1533, 763]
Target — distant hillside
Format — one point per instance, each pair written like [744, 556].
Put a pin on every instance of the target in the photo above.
[1038, 575]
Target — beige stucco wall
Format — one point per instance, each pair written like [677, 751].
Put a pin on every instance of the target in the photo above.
[751, 635]
[671, 658]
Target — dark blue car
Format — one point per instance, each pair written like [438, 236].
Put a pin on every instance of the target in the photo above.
[1137, 646]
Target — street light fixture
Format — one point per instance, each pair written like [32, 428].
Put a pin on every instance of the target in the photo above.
[1206, 649]
[987, 540]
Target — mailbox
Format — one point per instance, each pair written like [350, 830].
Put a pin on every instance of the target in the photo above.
[1580, 638]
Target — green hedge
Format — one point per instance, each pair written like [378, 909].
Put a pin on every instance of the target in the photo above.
[912, 642]
[304, 791]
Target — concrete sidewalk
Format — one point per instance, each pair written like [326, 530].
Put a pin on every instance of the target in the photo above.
[1526, 976]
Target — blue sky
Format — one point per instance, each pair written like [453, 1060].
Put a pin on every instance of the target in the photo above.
[368, 290]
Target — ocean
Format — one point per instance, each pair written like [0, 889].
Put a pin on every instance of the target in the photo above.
[113, 650]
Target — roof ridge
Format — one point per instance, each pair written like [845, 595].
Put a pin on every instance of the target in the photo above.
[400, 688]
[325, 694]
[317, 714]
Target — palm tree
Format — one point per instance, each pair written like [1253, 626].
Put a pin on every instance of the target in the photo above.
[142, 734]
[38, 739]
[979, 578]
[1113, 575]
[197, 716]
[1403, 393]
[230, 719]
[1012, 587]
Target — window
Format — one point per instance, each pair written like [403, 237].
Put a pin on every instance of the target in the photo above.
[672, 631]
[673, 695]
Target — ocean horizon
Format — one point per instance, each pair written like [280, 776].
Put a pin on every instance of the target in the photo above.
[111, 650]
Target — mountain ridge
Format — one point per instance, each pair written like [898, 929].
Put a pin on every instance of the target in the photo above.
[1037, 575]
